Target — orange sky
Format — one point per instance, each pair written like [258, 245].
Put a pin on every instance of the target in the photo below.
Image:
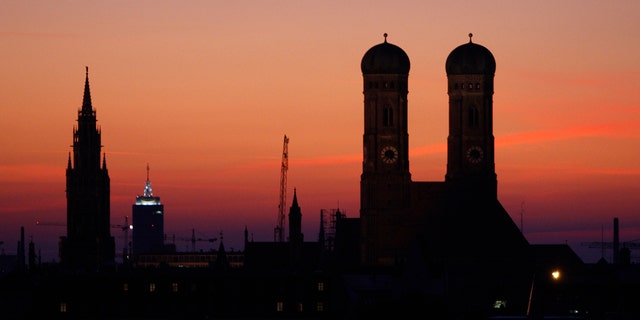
[204, 92]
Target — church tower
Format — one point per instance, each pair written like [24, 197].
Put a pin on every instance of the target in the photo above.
[88, 244]
[470, 160]
[385, 181]
[295, 221]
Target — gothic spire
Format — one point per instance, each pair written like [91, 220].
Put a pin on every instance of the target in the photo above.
[87, 108]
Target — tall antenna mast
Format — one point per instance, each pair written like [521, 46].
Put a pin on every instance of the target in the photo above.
[147, 188]
[279, 229]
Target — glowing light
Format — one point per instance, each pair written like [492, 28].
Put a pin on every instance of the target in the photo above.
[555, 274]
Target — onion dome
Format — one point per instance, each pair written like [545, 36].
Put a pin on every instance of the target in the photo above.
[471, 58]
[385, 58]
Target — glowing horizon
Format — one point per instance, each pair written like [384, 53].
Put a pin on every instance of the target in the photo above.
[204, 93]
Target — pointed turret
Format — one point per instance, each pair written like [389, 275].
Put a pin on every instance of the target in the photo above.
[295, 221]
[295, 200]
[222, 262]
[104, 162]
[246, 236]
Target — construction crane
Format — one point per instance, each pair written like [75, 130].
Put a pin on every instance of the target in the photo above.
[124, 227]
[193, 240]
[616, 245]
[278, 232]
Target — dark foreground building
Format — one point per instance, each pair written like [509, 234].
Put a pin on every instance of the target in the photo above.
[441, 250]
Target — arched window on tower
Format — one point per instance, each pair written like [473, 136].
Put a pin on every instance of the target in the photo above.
[387, 116]
[473, 117]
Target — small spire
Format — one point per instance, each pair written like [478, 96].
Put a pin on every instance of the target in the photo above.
[470, 36]
[295, 199]
[385, 37]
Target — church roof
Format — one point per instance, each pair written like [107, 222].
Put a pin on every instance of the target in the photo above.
[470, 58]
[385, 58]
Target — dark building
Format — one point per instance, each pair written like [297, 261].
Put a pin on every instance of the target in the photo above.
[88, 244]
[148, 222]
[444, 249]
[440, 218]
[294, 255]
[451, 239]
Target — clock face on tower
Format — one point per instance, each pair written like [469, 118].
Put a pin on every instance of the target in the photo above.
[389, 154]
[475, 154]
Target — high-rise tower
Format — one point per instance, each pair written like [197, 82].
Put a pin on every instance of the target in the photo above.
[148, 222]
[470, 160]
[88, 244]
[385, 181]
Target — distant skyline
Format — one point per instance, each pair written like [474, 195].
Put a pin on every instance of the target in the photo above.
[205, 92]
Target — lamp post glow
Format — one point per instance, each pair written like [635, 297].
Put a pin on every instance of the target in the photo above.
[555, 275]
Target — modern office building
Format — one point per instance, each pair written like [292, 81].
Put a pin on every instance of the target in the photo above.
[148, 222]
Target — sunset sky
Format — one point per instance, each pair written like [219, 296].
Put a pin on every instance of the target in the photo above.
[204, 92]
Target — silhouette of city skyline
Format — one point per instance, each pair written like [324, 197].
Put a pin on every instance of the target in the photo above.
[406, 254]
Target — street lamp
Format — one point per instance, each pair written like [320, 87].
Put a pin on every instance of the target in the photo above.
[555, 275]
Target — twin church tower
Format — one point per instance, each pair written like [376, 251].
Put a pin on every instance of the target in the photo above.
[457, 221]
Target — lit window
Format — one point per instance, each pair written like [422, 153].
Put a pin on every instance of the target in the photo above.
[500, 304]
[319, 307]
[63, 307]
[125, 287]
[320, 286]
[174, 287]
[152, 287]
[279, 306]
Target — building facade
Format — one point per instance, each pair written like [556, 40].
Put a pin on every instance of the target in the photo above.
[88, 243]
[438, 220]
[148, 222]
